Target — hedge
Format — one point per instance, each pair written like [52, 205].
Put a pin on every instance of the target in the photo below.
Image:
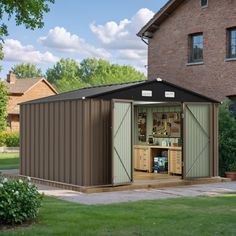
[9, 139]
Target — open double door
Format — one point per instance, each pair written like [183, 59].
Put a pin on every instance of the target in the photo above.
[196, 141]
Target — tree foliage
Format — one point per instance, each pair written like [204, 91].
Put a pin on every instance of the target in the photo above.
[65, 69]
[26, 70]
[67, 74]
[97, 72]
[227, 137]
[27, 12]
[3, 106]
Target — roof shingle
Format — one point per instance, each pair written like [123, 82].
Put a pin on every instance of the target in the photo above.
[21, 85]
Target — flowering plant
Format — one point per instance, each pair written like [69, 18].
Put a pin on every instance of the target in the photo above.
[19, 201]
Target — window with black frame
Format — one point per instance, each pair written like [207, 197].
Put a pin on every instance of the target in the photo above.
[204, 3]
[232, 43]
[196, 48]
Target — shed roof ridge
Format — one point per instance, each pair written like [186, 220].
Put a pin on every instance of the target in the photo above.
[100, 86]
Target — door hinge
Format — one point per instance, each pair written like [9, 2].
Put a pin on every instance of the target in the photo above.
[182, 163]
[182, 115]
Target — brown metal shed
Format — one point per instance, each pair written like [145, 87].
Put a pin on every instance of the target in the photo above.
[69, 137]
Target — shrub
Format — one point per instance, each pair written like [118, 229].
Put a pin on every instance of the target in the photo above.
[12, 139]
[227, 138]
[3, 138]
[19, 201]
[9, 139]
[232, 167]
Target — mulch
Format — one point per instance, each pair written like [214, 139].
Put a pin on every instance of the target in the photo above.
[16, 226]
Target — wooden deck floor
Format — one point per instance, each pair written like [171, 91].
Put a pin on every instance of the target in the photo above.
[141, 175]
[143, 181]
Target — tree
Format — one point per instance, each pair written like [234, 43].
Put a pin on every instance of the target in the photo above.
[227, 137]
[67, 74]
[3, 106]
[27, 12]
[97, 72]
[26, 70]
[66, 69]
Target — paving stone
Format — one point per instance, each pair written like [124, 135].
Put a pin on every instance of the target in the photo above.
[214, 189]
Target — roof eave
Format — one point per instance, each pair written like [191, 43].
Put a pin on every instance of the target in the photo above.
[159, 17]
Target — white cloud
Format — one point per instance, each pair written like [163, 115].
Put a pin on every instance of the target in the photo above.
[14, 51]
[122, 35]
[121, 39]
[62, 40]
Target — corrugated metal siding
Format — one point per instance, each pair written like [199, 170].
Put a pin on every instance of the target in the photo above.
[197, 140]
[67, 141]
[122, 135]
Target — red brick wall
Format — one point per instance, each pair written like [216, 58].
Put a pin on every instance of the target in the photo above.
[168, 49]
[40, 90]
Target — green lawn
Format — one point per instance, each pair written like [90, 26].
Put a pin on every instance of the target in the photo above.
[9, 161]
[185, 216]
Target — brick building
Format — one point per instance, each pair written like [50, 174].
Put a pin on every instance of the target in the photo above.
[193, 43]
[21, 90]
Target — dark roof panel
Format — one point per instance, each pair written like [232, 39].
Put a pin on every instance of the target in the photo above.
[129, 91]
[85, 92]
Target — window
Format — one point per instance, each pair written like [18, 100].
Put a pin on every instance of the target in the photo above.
[232, 43]
[196, 48]
[204, 3]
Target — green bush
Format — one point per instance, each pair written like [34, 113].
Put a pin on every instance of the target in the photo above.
[19, 201]
[13, 139]
[3, 138]
[227, 138]
[9, 139]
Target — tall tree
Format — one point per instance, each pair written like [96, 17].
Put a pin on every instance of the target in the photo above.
[26, 70]
[97, 71]
[26, 12]
[67, 74]
[3, 105]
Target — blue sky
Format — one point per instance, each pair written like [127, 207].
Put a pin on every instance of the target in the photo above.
[80, 29]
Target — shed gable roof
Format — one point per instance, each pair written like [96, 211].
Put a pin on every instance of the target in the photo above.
[125, 91]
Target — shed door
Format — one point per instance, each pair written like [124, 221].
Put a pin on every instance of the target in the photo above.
[197, 140]
[122, 142]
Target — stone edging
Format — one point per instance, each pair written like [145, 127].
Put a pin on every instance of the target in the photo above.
[9, 149]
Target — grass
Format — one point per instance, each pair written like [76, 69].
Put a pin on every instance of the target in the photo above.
[182, 216]
[9, 161]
